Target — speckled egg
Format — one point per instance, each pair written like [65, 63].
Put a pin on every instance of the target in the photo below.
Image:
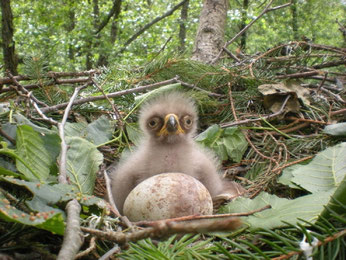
[168, 195]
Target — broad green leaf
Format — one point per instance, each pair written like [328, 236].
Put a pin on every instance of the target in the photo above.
[99, 131]
[336, 129]
[44, 197]
[4, 171]
[339, 196]
[10, 130]
[75, 129]
[325, 172]
[21, 120]
[235, 143]
[307, 207]
[287, 176]
[52, 143]
[49, 220]
[220, 150]
[226, 143]
[210, 135]
[31, 148]
[83, 161]
[134, 133]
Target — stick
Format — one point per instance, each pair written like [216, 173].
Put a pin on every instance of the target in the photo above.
[63, 154]
[73, 238]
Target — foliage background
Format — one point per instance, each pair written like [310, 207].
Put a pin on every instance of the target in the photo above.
[54, 29]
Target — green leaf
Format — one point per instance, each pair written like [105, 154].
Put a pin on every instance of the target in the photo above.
[339, 196]
[83, 161]
[287, 176]
[306, 207]
[4, 171]
[220, 150]
[10, 130]
[134, 133]
[336, 129]
[235, 143]
[210, 135]
[75, 129]
[21, 120]
[325, 172]
[31, 148]
[51, 220]
[44, 196]
[226, 143]
[99, 131]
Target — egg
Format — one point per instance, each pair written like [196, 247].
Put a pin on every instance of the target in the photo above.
[168, 195]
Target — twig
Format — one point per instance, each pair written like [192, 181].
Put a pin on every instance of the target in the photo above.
[232, 102]
[39, 111]
[265, 10]
[114, 250]
[111, 102]
[246, 121]
[114, 208]
[320, 243]
[147, 26]
[92, 246]
[296, 119]
[197, 88]
[193, 218]
[63, 154]
[279, 169]
[168, 228]
[73, 238]
[299, 75]
[336, 96]
[111, 95]
[24, 91]
[258, 152]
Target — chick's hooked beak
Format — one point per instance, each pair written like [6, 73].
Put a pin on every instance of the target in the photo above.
[171, 126]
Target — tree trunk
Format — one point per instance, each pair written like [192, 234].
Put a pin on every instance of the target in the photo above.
[8, 45]
[211, 30]
[115, 22]
[294, 20]
[243, 24]
[182, 27]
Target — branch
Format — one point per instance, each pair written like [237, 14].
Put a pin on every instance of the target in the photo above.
[246, 121]
[73, 238]
[167, 228]
[116, 5]
[54, 79]
[111, 95]
[265, 10]
[147, 26]
[63, 154]
[114, 208]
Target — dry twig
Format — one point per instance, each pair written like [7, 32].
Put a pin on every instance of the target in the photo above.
[73, 238]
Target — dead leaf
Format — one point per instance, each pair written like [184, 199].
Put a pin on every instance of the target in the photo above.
[275, 95]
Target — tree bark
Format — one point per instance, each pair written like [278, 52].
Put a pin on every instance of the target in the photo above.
[114, 25]
[294, 20]
[243, 24]
[182, 27]
[211, 31]
[8, 44]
